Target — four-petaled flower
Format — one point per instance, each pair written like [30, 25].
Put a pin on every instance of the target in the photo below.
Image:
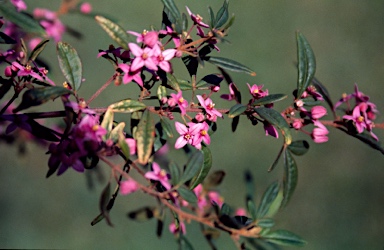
[143, 57]
[158, 174]
[187, 135]
[257, 91]
[130, 75]
[179, 100]
[209, 106]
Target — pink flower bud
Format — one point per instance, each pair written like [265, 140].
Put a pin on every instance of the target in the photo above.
[319, 134]
[8, 71]
[86, 8]
[297, 124]
[127, 187]
[318, 112]
[200, 117]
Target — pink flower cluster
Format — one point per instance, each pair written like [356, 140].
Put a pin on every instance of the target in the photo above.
[363, 114]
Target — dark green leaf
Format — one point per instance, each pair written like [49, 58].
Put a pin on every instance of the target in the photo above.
[366, 138]
[265, 223]
[252, 210]
[306, 64]
[175, 173]
[284, 238]
[276, 119]
[5, 39]
[268, 197]
[184, 243]
[37, 96]
[127, 106]
[203, 169]
[210, 80]
[115, 31]
[211, 17]
[236, 110]
[160, 138]
[260, 244]
[192, 64]
[38, 49]
[195, 163]
[171, 6]
[166, 128]
[187, 194]
[225, 209]
[299, 147]
[104, 199]
[250, 188]
[269, 99]
[145, 137]
[290, 177]
[214, 179]
[229, 64]
[324, 92]
[24, 21]
[235, 122]
[311, 103]
[230, 23]
[185, 21]
[222, 15]
[142, 214]
[70, 64]
[184, 84]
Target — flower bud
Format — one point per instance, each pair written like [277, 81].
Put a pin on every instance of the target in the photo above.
[318, 112]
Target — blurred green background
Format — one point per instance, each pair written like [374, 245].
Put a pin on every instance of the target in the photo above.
[339, 199]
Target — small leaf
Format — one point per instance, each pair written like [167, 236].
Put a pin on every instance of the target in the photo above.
[161, 92]
[290, 177]
[104, 199]
[37, 96]
[115, 31]
[172, 82]
[175, 173]
[299, 147]
[171, 6]
[269, 196]
[5, 39]
[142, 214]
[166, 127]
[214, 179]
[210, 80]
[184, 84]
[184, 243]
[306, 64]
[235, 123]
[107, 122]
[24, 21]
[37, 50]
[70, 64]
[265, 223]
[145, 137]
[284, 238]
[222, 15]
[211, 17]
[230, 23]
[225, 209]
[252, 210]
[276, 119]
[229, 64]
[191, 63]
[204, 167]
[127, 106]
[187, 194]
[269, 99]
[236, 110]
[194, 164]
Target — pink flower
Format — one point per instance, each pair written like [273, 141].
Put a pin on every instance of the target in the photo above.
[319, 134]
[241, 212]
[162, 58]
[203, 135]
[132, 145]
[359, 117]
[317, 112]
[256, 91]
[158, 174]
[86, 8]
[179, 100]
[215, 197]
[187, 135]
[297, 124]
[209, 106]
[197, 19]
[270, 130]
[143, 57]
[199, 117]
[128, 186]
[181, 228]
[201, 199]
[231, 95]
[19, 4]
[149, 38]
[130, 75]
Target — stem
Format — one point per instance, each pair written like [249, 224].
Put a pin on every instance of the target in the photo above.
[9, 103]
[98, 92]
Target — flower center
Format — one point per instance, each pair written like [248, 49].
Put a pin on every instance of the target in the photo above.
[144, 56]
[187, 136]
[360, 119]
[203, 132]
[28, 68]
[181, 99]
[95, 127]
[163, 173]
[211, 106]
[256, 91]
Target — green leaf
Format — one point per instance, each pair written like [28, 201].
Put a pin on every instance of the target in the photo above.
[265, 223]
[252, 210]
[214, 179]
[37, 96]
[269, 99]
[184, 243]
[249, 185]
[70, 64]
[172, 82]
[142, 214]
[204, 167]
[210, 81]
[175, 173]
[229, 64]
[222, 15]
[24, 21]
[104, 199]
[117, 131]
[230, 23]
[115, 31]
[107, 122]
[299, 147]
[171, 6]
[127, 106]
[211, 17]
[161, 92]
[276, 119]
[5, 39]
[236, 110]
[167, 128]
[194, 164]
[38, 49]
[184, 84]
[187, 194]
[290, 177]
[364, 137]
[306, 64]
[225, 209]
[145, 137]
[269, 196]
[284, 238]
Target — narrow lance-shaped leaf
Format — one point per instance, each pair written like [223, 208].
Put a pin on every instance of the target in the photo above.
[211, 17]
[194, 164]
[290, 177]
[229, 64]
[145, 137]
[175, 173]
[116, 131]
[171, 6]
[115, 31]
[276, 119]
[70, 64]
[236, 110]
[5, 39]
[222, 15]
[269, 99]
[38, 49]
[284, 238]
[37, 96]
[24, 21]
[268, 197]
[127, 106]
[204, 169]
[187, 194]
[306, 64]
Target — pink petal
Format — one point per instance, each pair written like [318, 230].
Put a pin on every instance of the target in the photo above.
[135, 49]
[180, 142]
[181, 128]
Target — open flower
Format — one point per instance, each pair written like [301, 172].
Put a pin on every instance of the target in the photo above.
[179, 100]
[209, 106]
[143, 57]
[187, 135]
[130, 75]
[158, 174]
